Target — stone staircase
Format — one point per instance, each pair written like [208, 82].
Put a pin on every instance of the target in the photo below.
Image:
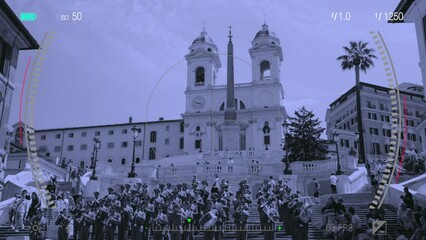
[7, 232]
[359, 201]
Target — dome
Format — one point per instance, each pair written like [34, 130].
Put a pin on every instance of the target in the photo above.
[265, 32]
[203, 38]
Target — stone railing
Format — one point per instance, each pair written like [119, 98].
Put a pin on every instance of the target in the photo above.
[314, 167]
[244, 154]
[221, 169]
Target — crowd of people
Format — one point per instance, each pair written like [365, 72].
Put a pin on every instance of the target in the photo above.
[166, 212]
[199, 208]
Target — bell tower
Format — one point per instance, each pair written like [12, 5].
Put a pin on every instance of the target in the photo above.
[203, 63]
[266, 57]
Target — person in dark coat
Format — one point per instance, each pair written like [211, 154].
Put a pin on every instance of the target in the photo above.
[63, 221]
[35, 205]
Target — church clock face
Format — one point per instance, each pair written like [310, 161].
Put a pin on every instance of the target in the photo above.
[198, 102]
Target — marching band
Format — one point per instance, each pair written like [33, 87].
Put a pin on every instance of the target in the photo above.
[182, 212]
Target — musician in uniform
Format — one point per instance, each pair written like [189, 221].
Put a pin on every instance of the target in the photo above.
[150, 217]
[138, 220]
[87, 219]
[175, 223]
[38, 226]
[160, 227]
[112, 223]
[123, 228]
[63, 221]
[101, 215]
[271, 216]
[188, 226]
[241, 216]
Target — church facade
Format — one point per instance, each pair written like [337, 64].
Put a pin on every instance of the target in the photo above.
[211, 122]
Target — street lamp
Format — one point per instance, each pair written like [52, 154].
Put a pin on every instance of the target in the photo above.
[357, 143]
[336, 140]
[96, 146]
[287, 161]
[135, 131]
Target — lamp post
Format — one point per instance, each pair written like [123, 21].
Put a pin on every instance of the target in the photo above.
[97, 145]
[135, 131]
[336, 140]
[357, 142]
[287, 161]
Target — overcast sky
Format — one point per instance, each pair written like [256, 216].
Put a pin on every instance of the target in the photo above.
[103, 69]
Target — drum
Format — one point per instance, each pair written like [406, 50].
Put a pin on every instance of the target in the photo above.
[208, 220]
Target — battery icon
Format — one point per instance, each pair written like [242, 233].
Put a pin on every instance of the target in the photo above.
[28, 17]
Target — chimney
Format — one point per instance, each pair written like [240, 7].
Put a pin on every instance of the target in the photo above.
[130, 119]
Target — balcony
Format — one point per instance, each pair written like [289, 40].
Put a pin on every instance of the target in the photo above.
[372, 106]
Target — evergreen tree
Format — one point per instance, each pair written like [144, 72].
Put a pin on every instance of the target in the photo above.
[303, 137]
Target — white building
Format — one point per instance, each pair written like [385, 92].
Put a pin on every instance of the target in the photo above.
[258, 105]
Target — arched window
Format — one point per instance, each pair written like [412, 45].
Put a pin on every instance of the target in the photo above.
[199, 76]
[265, 70]
[138, 160]
[110, 160]
[153, 136]
[123, 161]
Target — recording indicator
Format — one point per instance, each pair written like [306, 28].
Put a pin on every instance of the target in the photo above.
[280, 228]
[189, 220]
[28, 16]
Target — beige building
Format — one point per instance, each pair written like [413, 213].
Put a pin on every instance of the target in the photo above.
[377, 118]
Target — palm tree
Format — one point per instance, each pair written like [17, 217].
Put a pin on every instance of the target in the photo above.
[358, 56]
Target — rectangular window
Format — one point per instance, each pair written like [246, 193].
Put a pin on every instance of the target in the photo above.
[57, 136]
[124, 144]
[412, 137]
[70, 135]
[97, 133]
[138, 143]
[374, 131]
[57, 149]
[5, 58]
[385, 118]
[181, 143]
[197, 144]
[43, 137]
[83, 147]
[372, 116]
[83, 134]
[152, 153]
[111, 132]
[70, 148]
[166, 141]
[376, 148]
[410, 123]
[344, 143]
[387, 133]
[110, 145]
[124, 131]
[182, 127]
[167, 128]
[153, 136]
[387, 148]
[356, 144]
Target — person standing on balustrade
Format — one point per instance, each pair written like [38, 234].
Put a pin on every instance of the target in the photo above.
[20, 211]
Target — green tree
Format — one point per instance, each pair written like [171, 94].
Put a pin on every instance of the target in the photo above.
[303, 137]
[359, 57]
